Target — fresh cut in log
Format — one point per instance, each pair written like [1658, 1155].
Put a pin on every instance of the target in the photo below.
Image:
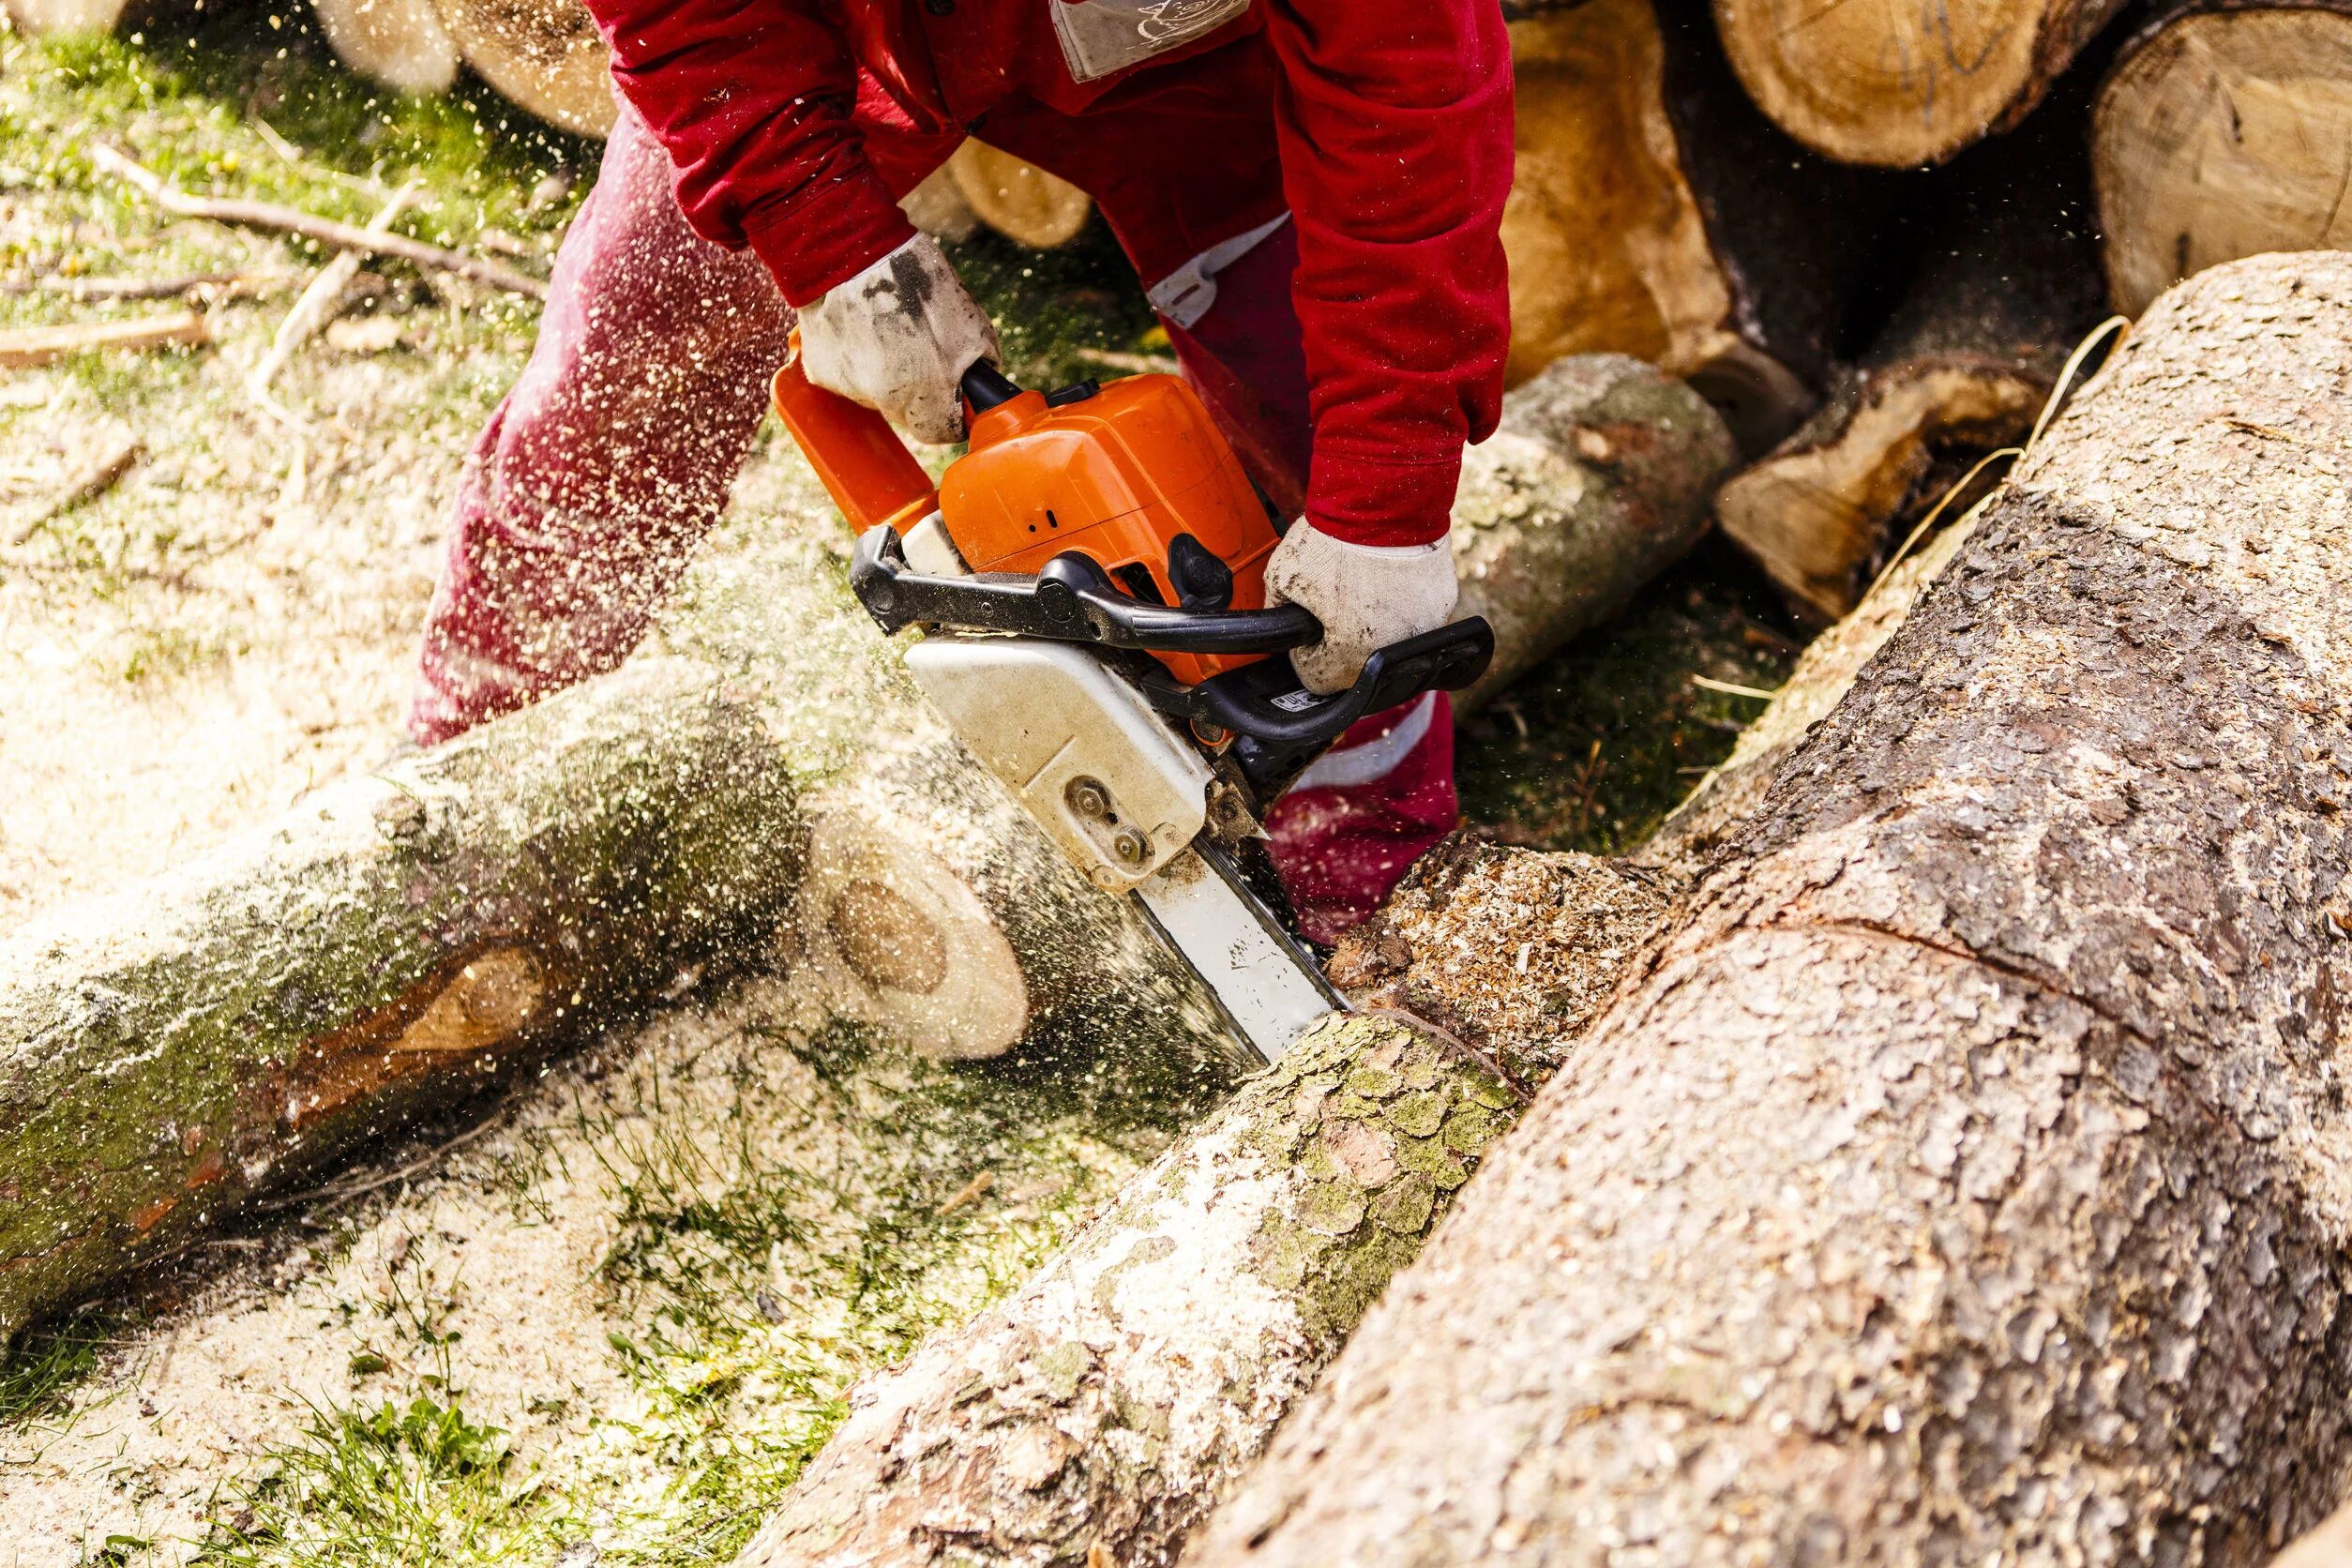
[1907, 82]
[1964, 1176]
[2004, 283]
[1650, 215]
[2219, 133]
[400, 43]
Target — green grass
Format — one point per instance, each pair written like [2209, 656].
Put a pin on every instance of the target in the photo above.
[40, 1378]
[1591, 749]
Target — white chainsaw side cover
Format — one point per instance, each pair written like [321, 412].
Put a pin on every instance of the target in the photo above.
[1045, 715]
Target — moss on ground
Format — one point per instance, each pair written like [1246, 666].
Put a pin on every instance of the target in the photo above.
[1591, 748]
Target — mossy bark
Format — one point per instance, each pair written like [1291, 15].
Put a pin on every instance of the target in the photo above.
[167, 1055]
[1103, 1408]
[1963, 1177]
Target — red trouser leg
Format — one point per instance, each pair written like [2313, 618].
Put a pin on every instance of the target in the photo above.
[609, 459]
[1372, 806]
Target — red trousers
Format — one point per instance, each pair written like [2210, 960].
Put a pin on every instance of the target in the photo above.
[613, 456]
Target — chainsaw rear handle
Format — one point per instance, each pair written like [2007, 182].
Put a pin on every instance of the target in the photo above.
[862, 464]
[1279, 726]
[1072, 600]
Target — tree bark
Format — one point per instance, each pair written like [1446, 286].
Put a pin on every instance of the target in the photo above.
[1901, 86]
[2003, 287]
[1597, 479]
[1650, 216]
[2217, 135]
[1963, 1177]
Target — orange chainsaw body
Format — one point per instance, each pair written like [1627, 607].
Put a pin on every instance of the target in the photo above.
[1116, 477]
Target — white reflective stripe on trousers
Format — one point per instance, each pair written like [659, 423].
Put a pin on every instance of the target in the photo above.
[1184, 296]
[1375, 759]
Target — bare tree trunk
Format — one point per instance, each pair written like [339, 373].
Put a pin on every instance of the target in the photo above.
[1963, 1177]
[2218, 134]
[1907, 83]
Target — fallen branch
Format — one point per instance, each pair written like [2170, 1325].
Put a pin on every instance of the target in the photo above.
[218, 285]
[26, 348]
[269, 216]
[94, 480]
[318, 302]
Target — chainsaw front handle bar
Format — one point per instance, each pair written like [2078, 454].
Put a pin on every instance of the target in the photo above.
[1072, 600]
[1278, 725]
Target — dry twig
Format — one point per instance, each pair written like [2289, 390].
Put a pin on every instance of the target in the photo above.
[326, 231]
[26, 348]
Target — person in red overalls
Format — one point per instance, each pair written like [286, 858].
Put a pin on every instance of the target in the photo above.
[1310, 191]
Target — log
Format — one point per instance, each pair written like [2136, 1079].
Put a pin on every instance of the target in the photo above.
[2217, 135]
[1650, 214]
[1596, 480]
[1962, 1178]
[543, 55]
[169, 1055]
[400, 43]
[1901, 86]
[820, 811]
[2005, 284]
[1018, 199]
[41, 17]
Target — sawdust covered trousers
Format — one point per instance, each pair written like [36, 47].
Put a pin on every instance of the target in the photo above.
[614, 452]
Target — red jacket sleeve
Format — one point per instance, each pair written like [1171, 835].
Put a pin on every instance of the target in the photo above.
[767, 158]
[1396, 140]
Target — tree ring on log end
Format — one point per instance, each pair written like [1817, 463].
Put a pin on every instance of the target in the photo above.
[900, 941]
[1893, 85]
[2222, 134]
[887, 938]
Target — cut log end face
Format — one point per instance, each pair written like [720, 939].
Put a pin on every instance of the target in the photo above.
[1816, 515]
[902, 944]
[1898, 85]
[400, 43]
[1018, 199]
[544, 54]
[2223, 134]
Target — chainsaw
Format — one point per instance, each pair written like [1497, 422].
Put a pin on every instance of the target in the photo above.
[1089, 580]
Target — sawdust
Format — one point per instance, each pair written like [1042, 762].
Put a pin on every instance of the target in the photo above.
[656, 1278]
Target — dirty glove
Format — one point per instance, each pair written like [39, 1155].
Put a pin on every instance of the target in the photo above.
[898, 336]
[1366, 595]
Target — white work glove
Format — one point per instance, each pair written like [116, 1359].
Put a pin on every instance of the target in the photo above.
[898, 336]
[1366, 595]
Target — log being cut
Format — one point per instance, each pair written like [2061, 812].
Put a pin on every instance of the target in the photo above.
[413, 936]
[1099, 1412]
[1909, 83]
[1964, 1176]
[2220, 132]
[1649, 214]
[2004, 284]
